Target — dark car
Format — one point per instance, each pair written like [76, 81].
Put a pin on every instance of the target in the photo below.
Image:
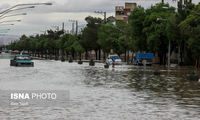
[22, 60]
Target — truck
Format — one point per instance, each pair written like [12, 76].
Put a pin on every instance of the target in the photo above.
[143, 59]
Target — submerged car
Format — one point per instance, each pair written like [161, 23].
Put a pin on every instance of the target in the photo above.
[113, 58]
[22, 60]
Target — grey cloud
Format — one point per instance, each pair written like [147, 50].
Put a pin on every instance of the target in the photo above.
[4, 6]
[62, 10]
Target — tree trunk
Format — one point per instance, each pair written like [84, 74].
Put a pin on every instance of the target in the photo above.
[86, 54]
[128, 57]
[179, 54]
[55, 55]
[73, 54]
[80, 56]
[181, 4]
[50, 55]
[99, 54]
[199, 63]
[46, 56]
[42, 54]
[67, 55]
[96, 54]
[162, 58]
[185, 55]
[196, 63]
[104, 55]
[165, 57]
[62, 53]
[125, 56]
[38, 54]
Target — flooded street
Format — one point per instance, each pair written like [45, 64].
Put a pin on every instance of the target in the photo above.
[124, 93]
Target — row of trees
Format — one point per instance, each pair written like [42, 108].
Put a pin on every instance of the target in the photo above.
[147, 31]
[59, 44]
[54, 43]
[153, 28]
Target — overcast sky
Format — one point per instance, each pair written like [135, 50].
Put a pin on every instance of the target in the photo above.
[45, 17]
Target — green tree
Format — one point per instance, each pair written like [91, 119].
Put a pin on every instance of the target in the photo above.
[108, 36]
[138, 41]
[115, 37]
[191, 28]
[90, 34]
[155, 29]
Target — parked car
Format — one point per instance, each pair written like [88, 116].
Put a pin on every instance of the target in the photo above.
[22, 60]
[143, 59]
[115, 58]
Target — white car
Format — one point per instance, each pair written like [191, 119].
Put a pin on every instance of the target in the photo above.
[115, 58]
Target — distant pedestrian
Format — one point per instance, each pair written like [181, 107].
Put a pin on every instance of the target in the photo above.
[113, 62]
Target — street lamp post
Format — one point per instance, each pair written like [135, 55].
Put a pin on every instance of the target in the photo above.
[105, 21]
[169, 55]
[169, 47]
[4, 29]
[12, 15]
[10, 21]
[15, 8]
[5, 24]
[4, 13]
[19, 5]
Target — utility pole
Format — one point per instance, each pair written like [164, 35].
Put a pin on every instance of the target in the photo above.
[102, 13]
[169, 55]
[181, 4]
[105, 21]
[56, 27]
[76, 27]
[73, 28]
[63, 26]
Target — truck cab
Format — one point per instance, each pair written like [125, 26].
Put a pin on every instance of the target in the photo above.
[143, 59]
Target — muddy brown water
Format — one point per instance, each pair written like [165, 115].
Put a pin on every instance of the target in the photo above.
[124, 93]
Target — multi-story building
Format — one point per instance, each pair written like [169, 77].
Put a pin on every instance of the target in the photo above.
[119, 12]
[122, 13]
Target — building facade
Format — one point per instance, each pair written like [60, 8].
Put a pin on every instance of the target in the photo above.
[122, 13]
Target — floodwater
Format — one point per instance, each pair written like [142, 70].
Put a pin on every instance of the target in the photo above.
[124, 93]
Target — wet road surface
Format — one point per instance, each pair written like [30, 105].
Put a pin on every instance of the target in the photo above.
[124, 93]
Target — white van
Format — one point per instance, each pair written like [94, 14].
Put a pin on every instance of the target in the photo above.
[113, 58]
